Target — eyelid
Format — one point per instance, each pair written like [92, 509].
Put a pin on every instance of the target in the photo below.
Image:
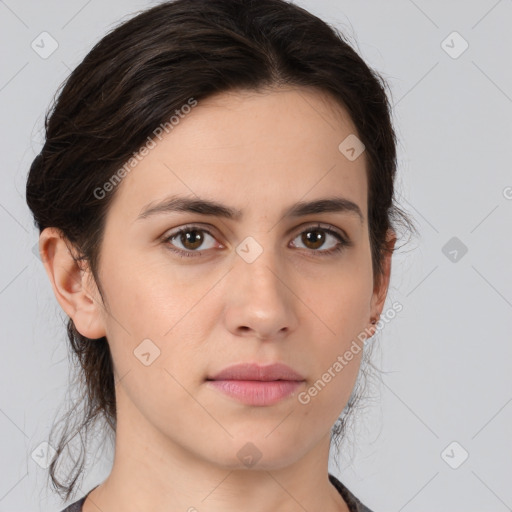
[209, 228]
[322, 225]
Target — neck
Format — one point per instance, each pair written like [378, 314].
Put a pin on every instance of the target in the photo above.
[152, 472]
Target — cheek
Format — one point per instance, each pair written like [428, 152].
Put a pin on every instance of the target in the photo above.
[343, 305]
[159, 303]
[343, 301]
[149, 336]
[148, 296]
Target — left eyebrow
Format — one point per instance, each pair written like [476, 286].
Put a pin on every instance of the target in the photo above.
[213, 208]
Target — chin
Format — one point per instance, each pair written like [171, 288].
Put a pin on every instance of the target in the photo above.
[256, 453]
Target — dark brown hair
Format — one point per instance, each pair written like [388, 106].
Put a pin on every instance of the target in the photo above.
[134, 79]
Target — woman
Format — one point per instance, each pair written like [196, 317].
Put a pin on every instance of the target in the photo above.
[215, 200]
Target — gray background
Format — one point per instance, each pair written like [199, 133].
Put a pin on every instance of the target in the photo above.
[447, 355]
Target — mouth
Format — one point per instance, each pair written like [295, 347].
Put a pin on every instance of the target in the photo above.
[257, 385]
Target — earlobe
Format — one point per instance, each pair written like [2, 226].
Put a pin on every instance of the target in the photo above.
[69, 282]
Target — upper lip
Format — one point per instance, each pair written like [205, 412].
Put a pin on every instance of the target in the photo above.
[251, 371]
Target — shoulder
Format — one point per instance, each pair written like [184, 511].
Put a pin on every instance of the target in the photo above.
[353, 503]
[76, 506]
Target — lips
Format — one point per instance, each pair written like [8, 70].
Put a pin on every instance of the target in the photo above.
[249, 371]
[256, 385]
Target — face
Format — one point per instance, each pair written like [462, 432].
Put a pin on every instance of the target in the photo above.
[189, 294]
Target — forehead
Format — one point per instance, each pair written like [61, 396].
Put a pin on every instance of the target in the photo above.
[253, 147]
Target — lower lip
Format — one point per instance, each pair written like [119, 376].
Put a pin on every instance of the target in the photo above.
[253, 392]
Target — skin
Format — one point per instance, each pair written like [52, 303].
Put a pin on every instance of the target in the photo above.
[177, 439]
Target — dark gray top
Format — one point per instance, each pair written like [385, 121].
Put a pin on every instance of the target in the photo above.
[353, 503]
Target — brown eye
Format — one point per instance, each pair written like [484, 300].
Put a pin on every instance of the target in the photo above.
[317, 237]
[191, 239]
[313, 239]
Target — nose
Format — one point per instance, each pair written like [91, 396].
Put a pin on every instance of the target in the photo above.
[260, 299]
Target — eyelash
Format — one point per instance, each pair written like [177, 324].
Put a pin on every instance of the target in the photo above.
[343, 242]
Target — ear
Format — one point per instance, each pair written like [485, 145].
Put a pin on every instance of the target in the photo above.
[380, 289]
[71, 284]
